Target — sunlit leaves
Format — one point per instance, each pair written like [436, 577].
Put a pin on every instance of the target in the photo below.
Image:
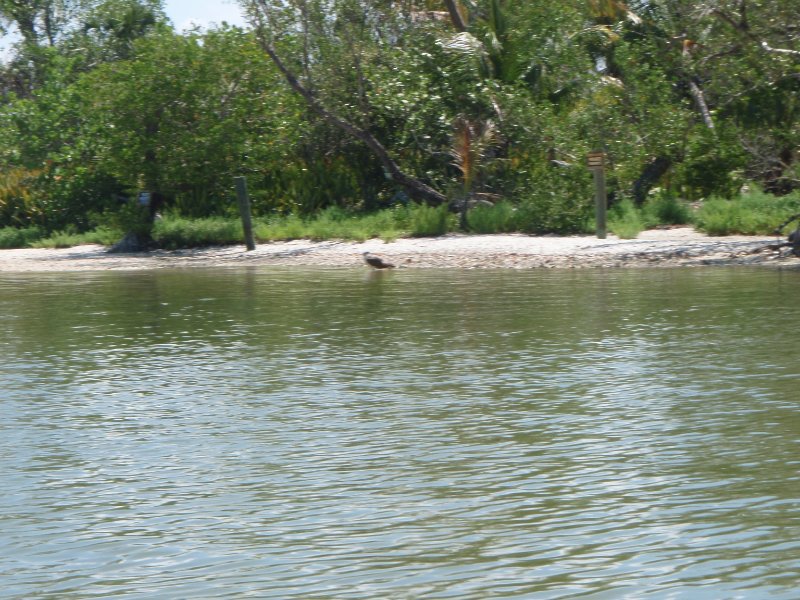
[175, 134]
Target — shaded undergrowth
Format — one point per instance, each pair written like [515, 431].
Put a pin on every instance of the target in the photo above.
[752, 213]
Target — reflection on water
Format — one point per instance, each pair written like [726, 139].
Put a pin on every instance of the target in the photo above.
[455, 434]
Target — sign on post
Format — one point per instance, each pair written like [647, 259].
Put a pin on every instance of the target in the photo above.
[596, 161]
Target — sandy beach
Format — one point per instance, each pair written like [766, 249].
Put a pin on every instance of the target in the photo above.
[681, 246]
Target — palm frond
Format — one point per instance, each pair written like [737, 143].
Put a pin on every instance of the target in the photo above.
[471, 143]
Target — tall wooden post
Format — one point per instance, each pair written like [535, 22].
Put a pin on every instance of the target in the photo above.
[596, 163]
[244, 211]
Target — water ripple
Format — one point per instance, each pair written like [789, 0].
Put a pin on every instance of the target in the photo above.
[284, 435]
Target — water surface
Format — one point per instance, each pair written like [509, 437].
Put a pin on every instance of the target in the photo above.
[412, 434]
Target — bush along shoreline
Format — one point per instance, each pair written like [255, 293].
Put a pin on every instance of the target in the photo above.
[753, 213]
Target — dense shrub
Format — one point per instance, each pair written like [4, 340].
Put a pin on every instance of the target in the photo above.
[665, 209]
[70, 237]
[625, 220]
[427, 221]
[176, 232]
[556, 201]
[499, 218]
[13, 237]
[755, 213]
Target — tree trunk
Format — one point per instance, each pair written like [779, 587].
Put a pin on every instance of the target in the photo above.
[26, 24]
[455, 16]
[775, 181]
[654, 170]
[700, 101]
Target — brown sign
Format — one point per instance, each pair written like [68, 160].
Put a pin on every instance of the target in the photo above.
[596, 160]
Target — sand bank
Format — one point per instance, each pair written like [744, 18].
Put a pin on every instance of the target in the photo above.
[665, 247]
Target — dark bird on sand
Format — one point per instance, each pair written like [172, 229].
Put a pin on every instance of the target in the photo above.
[376, 261]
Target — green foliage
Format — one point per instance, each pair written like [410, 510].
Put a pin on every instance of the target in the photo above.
[19, 205]
[625, 220]
[336, 223]
[110, 28]
[665, 209]
[105, 99]
[429, 221]
[174, 232]
[68, 238]
[755, 213]
[555, 200]
[13, 237]
[713, 165]
[291, 227]
[186, 137]
[178, 232]
[129, 217]
[498, 218]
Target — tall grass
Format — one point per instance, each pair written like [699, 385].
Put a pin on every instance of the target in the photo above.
[68, 239]
[755, 213]
[35, 237]
[665, 209]
[177, 232]
[427, 221]
[625, 220]
[12, 237]
[335, 223]
[499, 218]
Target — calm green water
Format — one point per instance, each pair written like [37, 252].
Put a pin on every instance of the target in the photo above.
[456, 434]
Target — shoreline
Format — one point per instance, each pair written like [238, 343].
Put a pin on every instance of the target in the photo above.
[680, 246]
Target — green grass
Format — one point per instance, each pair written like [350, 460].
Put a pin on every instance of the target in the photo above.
[665, 209]
[499, 218]
[625, 220]
[333, 223]
[430, 221]
[34, 237]
[276, 229]
[755, 213]
[13, 237]
[67, 239]
[178, 232]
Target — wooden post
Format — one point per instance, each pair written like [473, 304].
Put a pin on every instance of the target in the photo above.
[596, 163]
[244, 211]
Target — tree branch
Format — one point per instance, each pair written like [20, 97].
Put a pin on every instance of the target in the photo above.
[455, 16]
[700, 101]
[769, 48]
[416, 187]
[743, 27]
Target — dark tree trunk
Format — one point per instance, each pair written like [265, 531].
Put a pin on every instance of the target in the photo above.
[455, 16]
[774, 180]
[141, 239]
[649, 177]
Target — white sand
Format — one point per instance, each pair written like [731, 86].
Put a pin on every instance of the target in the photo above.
[665, 247]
